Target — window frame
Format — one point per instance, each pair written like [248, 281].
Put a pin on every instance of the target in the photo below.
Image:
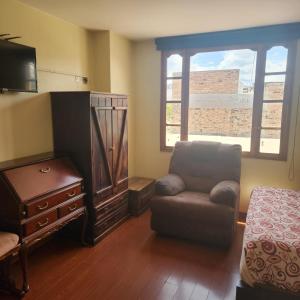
[258, 100]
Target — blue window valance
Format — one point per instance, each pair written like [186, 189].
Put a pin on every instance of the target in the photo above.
[254, 35]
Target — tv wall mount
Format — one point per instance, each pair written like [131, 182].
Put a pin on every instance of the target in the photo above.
[7, 37]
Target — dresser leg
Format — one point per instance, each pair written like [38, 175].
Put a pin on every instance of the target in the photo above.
[84, 221]
[23, 254]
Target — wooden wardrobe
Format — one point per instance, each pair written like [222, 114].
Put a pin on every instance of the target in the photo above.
[91, 128]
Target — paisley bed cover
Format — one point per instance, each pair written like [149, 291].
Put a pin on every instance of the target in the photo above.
[271, 247]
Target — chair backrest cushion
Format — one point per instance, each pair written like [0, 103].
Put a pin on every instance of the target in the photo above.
[202, 165]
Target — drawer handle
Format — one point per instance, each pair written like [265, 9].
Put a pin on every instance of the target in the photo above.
[71, 194]
[71, 208]
[45, 170]
[42, 207]
[43, 224]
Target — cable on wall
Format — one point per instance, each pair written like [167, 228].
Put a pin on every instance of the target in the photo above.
[292, 162]
[76, 76]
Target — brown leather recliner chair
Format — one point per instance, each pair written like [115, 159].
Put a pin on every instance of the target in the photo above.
[199, 199]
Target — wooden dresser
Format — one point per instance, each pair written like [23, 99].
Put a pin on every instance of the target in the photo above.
[91, 128]
[39, 195]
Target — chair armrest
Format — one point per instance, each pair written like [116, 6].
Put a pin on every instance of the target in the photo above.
[169, 185]
[225, 192]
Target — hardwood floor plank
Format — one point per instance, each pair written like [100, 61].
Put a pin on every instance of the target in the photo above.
[199, 293]
[133, 263]
[167, 291]
[231, 287]
[184, 290]
[161, 269]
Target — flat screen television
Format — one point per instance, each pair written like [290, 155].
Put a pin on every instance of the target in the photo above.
[17, 67]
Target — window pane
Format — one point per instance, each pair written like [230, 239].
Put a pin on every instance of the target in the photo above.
[173, 113]
[276, 59]
[173, 89]
[269, 141]
[174, 65]
[172, 135]
[274, 87]
[221, 96]
[271, 115]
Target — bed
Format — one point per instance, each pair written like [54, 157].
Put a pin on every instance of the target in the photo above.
[271, 248]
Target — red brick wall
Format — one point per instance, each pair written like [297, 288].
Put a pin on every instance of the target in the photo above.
[273, 91]
[220, 121]
[225, 121]
[214, 82]
[210, 82]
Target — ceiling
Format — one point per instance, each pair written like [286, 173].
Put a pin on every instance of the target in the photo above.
[143, 19]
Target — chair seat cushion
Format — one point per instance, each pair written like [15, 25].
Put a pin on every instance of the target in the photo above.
[8, 241]
[189, 205]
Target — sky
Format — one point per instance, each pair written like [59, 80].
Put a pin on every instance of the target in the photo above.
[244, 60]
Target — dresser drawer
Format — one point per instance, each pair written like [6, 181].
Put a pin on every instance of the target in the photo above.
[43, 204]
[111, 220]
[102, 196]
[41, 222]
[69, 208]
[111, 206]
[122, 186]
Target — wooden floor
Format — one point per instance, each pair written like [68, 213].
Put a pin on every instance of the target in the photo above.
[133, 263]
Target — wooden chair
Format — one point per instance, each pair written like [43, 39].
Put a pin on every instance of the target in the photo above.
[9, 248]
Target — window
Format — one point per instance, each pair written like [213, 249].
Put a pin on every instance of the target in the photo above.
[234, 96]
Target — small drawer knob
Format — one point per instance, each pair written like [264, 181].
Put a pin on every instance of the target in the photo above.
[45, 170]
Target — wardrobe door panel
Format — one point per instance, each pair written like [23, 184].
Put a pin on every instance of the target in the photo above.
[102, 152]
[120, 141]
[105, 118]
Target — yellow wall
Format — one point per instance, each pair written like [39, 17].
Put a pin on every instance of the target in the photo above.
[100, 56]
[25, 119]
[151, 162]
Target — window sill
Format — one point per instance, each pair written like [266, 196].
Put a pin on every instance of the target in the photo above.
[264, 156]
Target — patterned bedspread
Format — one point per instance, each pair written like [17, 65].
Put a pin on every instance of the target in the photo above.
[271, 247]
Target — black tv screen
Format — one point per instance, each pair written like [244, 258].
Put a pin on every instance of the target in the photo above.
[17, 67]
